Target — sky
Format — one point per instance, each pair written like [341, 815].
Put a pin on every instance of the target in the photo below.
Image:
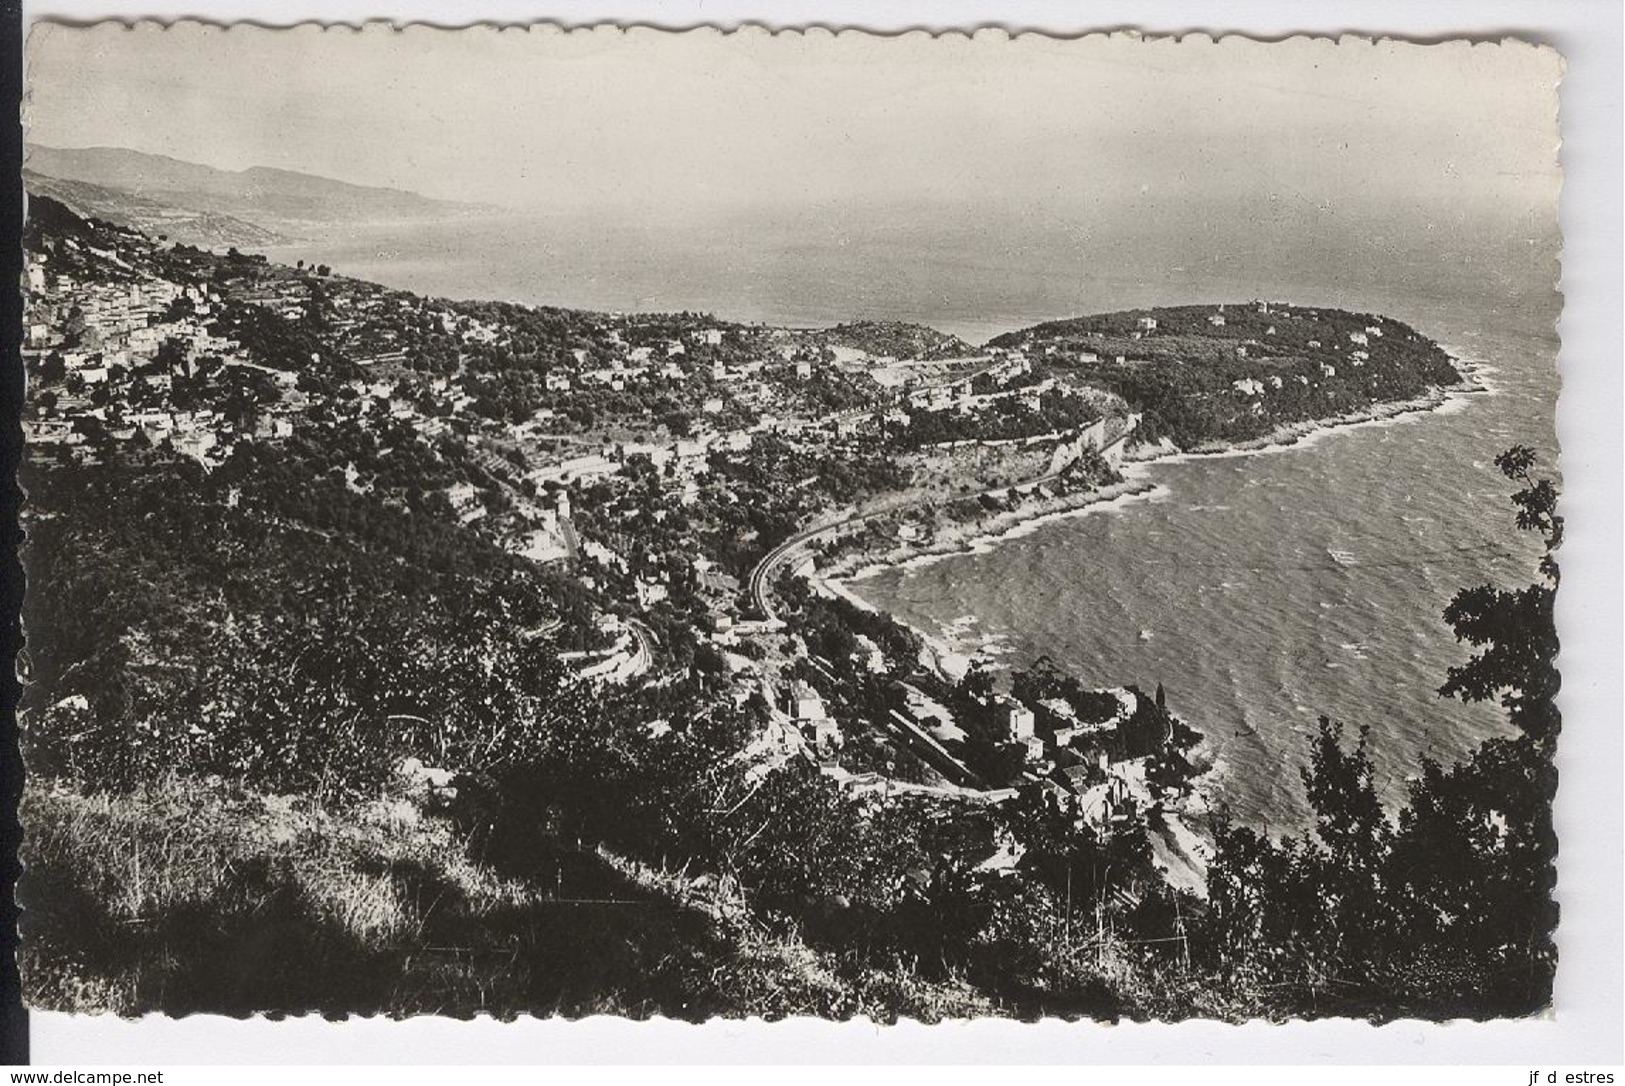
[1088, 131]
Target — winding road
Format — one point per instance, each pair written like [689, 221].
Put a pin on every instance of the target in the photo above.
[770, 563]
[761, 576]
[645, 652]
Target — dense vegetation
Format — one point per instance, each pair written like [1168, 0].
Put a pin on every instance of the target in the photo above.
[1443, 910]
[1440, 911]
[1446, 911]
[1057, 411]
[245, 681]
[1295, 365]
[267, 624]
[892, 339]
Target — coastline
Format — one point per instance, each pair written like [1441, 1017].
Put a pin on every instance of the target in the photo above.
[1135, 486]
[1182, 844]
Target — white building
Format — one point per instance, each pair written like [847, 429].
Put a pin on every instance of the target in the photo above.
[807, 710]
[1014, 718]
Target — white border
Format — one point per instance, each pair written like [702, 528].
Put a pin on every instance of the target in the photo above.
[1587, 1028]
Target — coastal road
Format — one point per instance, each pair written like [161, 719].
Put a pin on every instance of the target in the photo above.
[761, 577]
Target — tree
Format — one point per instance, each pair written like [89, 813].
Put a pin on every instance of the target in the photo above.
[1446, 912]
[1516, 628]
[171, 357]
[977, 683]
[1474, 860]
[1341, 789]
[313, 313]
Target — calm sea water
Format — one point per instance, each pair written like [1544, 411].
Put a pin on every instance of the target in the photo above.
[1261, 590]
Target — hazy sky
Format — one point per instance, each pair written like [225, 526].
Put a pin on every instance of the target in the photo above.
[1094, 128]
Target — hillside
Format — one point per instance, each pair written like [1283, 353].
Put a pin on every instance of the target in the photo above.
[371, 628]
[1210, 375]
[272, 200]
[896, 339]
[205, 228]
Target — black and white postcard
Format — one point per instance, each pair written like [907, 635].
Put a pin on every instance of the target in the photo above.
[598, 521]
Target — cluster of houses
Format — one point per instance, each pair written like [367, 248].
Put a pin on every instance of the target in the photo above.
[630, 368]
[1093, 768]
[367, 321]
[114, 385]
[1358, 354]
[1102, 434]
[959, 397]
[806, 709]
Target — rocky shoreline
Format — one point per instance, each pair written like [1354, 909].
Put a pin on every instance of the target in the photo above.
[1182, 848]
[1031, 513]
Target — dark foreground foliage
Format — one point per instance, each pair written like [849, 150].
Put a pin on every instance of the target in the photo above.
[1448, 911]
[591, 861]
[230, 668]
[201, 898]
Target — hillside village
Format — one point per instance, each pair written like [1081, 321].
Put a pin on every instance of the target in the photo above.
[667, 485]
[500, 540]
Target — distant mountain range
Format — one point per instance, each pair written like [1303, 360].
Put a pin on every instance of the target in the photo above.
[205, 228]
[202, 205]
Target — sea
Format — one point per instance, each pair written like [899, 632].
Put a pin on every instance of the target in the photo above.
[1263, 590]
